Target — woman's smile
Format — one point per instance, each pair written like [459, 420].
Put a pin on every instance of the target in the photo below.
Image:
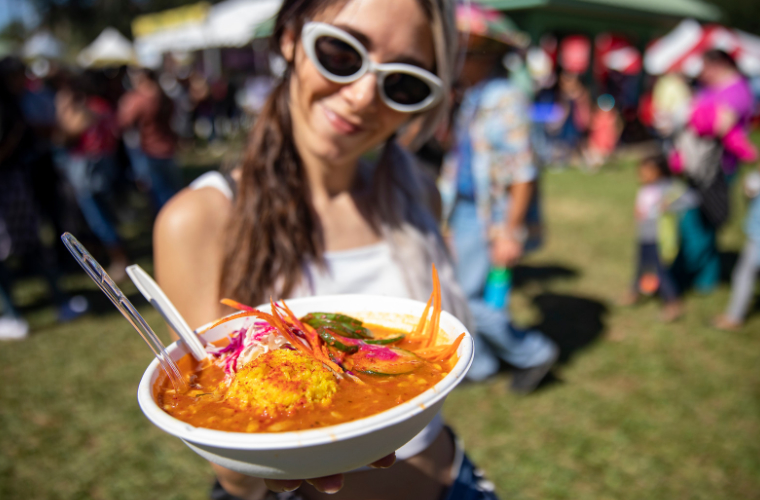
[340, 123]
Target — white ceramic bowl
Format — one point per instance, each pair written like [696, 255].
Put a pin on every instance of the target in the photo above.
[327, 450]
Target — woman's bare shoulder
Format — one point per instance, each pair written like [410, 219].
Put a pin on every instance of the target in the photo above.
[193, 216]
[188, 250]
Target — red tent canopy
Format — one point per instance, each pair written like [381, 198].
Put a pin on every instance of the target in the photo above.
[681, 50]
[615, 53]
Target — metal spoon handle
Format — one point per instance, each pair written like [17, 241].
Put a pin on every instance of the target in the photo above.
[122, 303]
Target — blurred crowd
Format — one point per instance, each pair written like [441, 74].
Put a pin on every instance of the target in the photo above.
[73, 144]
[503, 132]
[697, 132]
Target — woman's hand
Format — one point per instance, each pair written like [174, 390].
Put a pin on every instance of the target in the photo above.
[505, 251]
[327, 484]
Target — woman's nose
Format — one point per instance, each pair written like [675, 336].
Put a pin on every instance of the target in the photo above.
[362, 94]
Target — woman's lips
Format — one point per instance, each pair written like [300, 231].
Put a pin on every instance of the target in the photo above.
[339, 123]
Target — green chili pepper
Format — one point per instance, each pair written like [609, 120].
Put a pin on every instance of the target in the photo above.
[335, 341]
[340, 318]
[347, 329]
[389, 340]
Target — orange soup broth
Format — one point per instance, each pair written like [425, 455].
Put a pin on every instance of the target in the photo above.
[201, 407]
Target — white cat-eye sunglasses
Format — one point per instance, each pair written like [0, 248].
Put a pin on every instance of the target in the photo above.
[341, 58]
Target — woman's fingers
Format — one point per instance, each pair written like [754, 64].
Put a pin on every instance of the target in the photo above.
[282, 485]
[384, 462]
[327, 484]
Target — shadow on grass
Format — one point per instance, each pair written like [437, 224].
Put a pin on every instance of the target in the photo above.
[523, 276]
[728, 261]
[97, 302]
[572, 322]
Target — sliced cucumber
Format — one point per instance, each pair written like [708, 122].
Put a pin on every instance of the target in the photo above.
[386, 341]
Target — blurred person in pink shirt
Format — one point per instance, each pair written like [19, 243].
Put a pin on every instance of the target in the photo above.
[604, 131]
[148, 109]
[708, 152]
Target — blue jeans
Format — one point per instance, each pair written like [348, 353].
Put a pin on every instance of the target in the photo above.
[161, 174]
[92, 180]
[470, 484]
[139, 164]
[496, 339]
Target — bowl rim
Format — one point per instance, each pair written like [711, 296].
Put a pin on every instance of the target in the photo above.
[322, 435]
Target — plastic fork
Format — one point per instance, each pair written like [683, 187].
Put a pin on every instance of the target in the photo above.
[101, 278]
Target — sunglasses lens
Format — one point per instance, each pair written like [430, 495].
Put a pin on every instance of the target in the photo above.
[405, 89]
[337, 57]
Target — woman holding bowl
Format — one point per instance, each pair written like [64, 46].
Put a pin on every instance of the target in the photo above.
[325, 202]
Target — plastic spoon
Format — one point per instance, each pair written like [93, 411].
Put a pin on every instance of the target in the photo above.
[158, 299]
[125, 307]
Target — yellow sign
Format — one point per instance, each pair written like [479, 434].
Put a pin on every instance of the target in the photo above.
[152, 23]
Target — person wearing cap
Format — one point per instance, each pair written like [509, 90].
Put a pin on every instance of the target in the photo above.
[487, 183]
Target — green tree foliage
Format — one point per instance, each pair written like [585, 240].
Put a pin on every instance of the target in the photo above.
[14, 31]
[80, 21]
[741, 14]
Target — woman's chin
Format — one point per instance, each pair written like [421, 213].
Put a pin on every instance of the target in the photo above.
[337, 148]
[330, 151]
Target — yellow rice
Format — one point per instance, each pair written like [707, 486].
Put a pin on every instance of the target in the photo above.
[280, 381]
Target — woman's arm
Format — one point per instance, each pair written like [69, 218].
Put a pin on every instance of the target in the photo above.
[73, 117]
[188, 245]
[513, 160]
[129, 110]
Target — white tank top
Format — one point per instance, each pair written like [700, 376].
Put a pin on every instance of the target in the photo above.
[370, 269]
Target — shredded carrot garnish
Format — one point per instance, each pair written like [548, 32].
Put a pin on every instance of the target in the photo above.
[436, 319]
[325, 352]
[278, 323]
[311, 334]
[236, 305]
[229, 318]
[417, 332]
[314, 341]
[313, 337]
[442, 352]
[326, 360]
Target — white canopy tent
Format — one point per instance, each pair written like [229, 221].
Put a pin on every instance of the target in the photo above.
[110, 48]
[229, 24]
[42, 45]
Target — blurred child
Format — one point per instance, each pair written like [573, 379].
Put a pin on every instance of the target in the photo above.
[658, 202]
[743, 278]
[604, 131]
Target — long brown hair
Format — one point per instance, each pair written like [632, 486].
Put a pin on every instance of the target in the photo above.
[274, 229]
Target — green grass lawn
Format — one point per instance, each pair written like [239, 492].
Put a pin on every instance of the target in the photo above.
[637, 410]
